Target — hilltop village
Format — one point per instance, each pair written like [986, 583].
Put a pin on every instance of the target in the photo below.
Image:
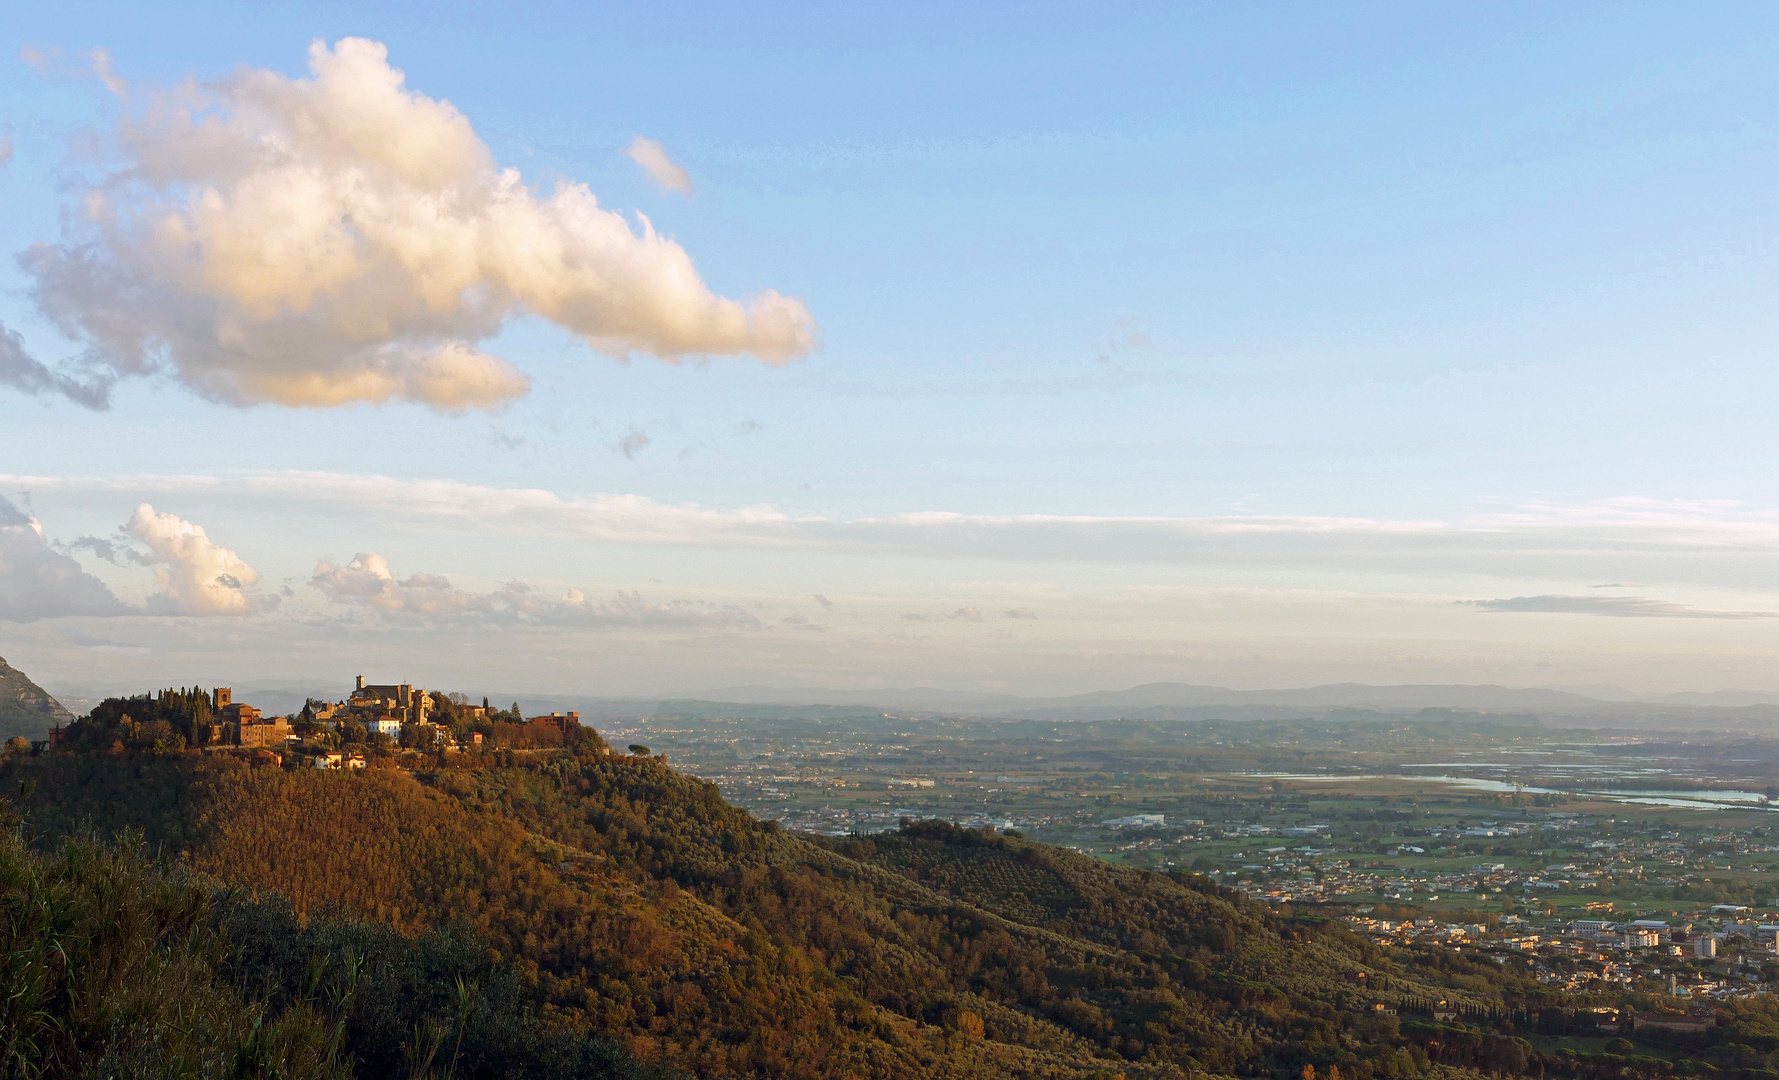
[374, 721]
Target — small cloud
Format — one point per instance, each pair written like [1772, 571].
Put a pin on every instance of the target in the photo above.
[1623, 607]
[5, 151]
[105, 645]
[633, 444]
[654, 160]
[370, 582]
[795, 620]
[966, 614]
[1020, 613]
[23, 373]
[36, 58]
[823, 601]
[1133, 337]
[114, 550]
[1619, 585]
[102, 68]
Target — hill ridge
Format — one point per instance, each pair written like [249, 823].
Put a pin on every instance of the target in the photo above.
[26, 709]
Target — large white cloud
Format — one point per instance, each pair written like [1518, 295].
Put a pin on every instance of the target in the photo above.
[339, 238]
[39, 582]
[194, 575]
[368, 581]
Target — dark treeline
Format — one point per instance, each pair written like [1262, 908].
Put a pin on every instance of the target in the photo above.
[166, 722]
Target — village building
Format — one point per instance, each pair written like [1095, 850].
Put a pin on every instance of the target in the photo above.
[404, 703]
[558, 720]
[384, 725]
[1664, 933]
[237, 723]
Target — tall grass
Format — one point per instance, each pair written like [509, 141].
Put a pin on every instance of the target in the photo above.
[113, 967]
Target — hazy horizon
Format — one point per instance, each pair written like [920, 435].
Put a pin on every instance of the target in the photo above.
[1437, 695]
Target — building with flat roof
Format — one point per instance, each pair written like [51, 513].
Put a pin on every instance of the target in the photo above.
[559, 720]
[403, 701]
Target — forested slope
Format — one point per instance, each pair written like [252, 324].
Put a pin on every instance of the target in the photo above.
[115, 966]
[649, 911]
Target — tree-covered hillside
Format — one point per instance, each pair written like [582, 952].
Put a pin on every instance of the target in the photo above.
[653, 913]
[642, 909]
[116, 966]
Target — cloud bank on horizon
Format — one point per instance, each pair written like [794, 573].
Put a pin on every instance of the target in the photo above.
[342, 238]
[195, 576]
[1101, 600]
[1713, 542]
[368, 581]
[1578, 540]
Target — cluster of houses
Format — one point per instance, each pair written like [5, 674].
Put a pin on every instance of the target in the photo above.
[1704, 941]
[1645, 934]
[382, 708]
[1700, 940]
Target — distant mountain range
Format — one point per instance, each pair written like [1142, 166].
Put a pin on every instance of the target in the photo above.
[26, 709]
[1724, 709]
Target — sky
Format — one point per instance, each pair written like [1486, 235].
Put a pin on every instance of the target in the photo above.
[654, 349]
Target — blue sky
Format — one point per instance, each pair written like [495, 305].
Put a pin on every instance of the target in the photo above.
[1413, 311]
